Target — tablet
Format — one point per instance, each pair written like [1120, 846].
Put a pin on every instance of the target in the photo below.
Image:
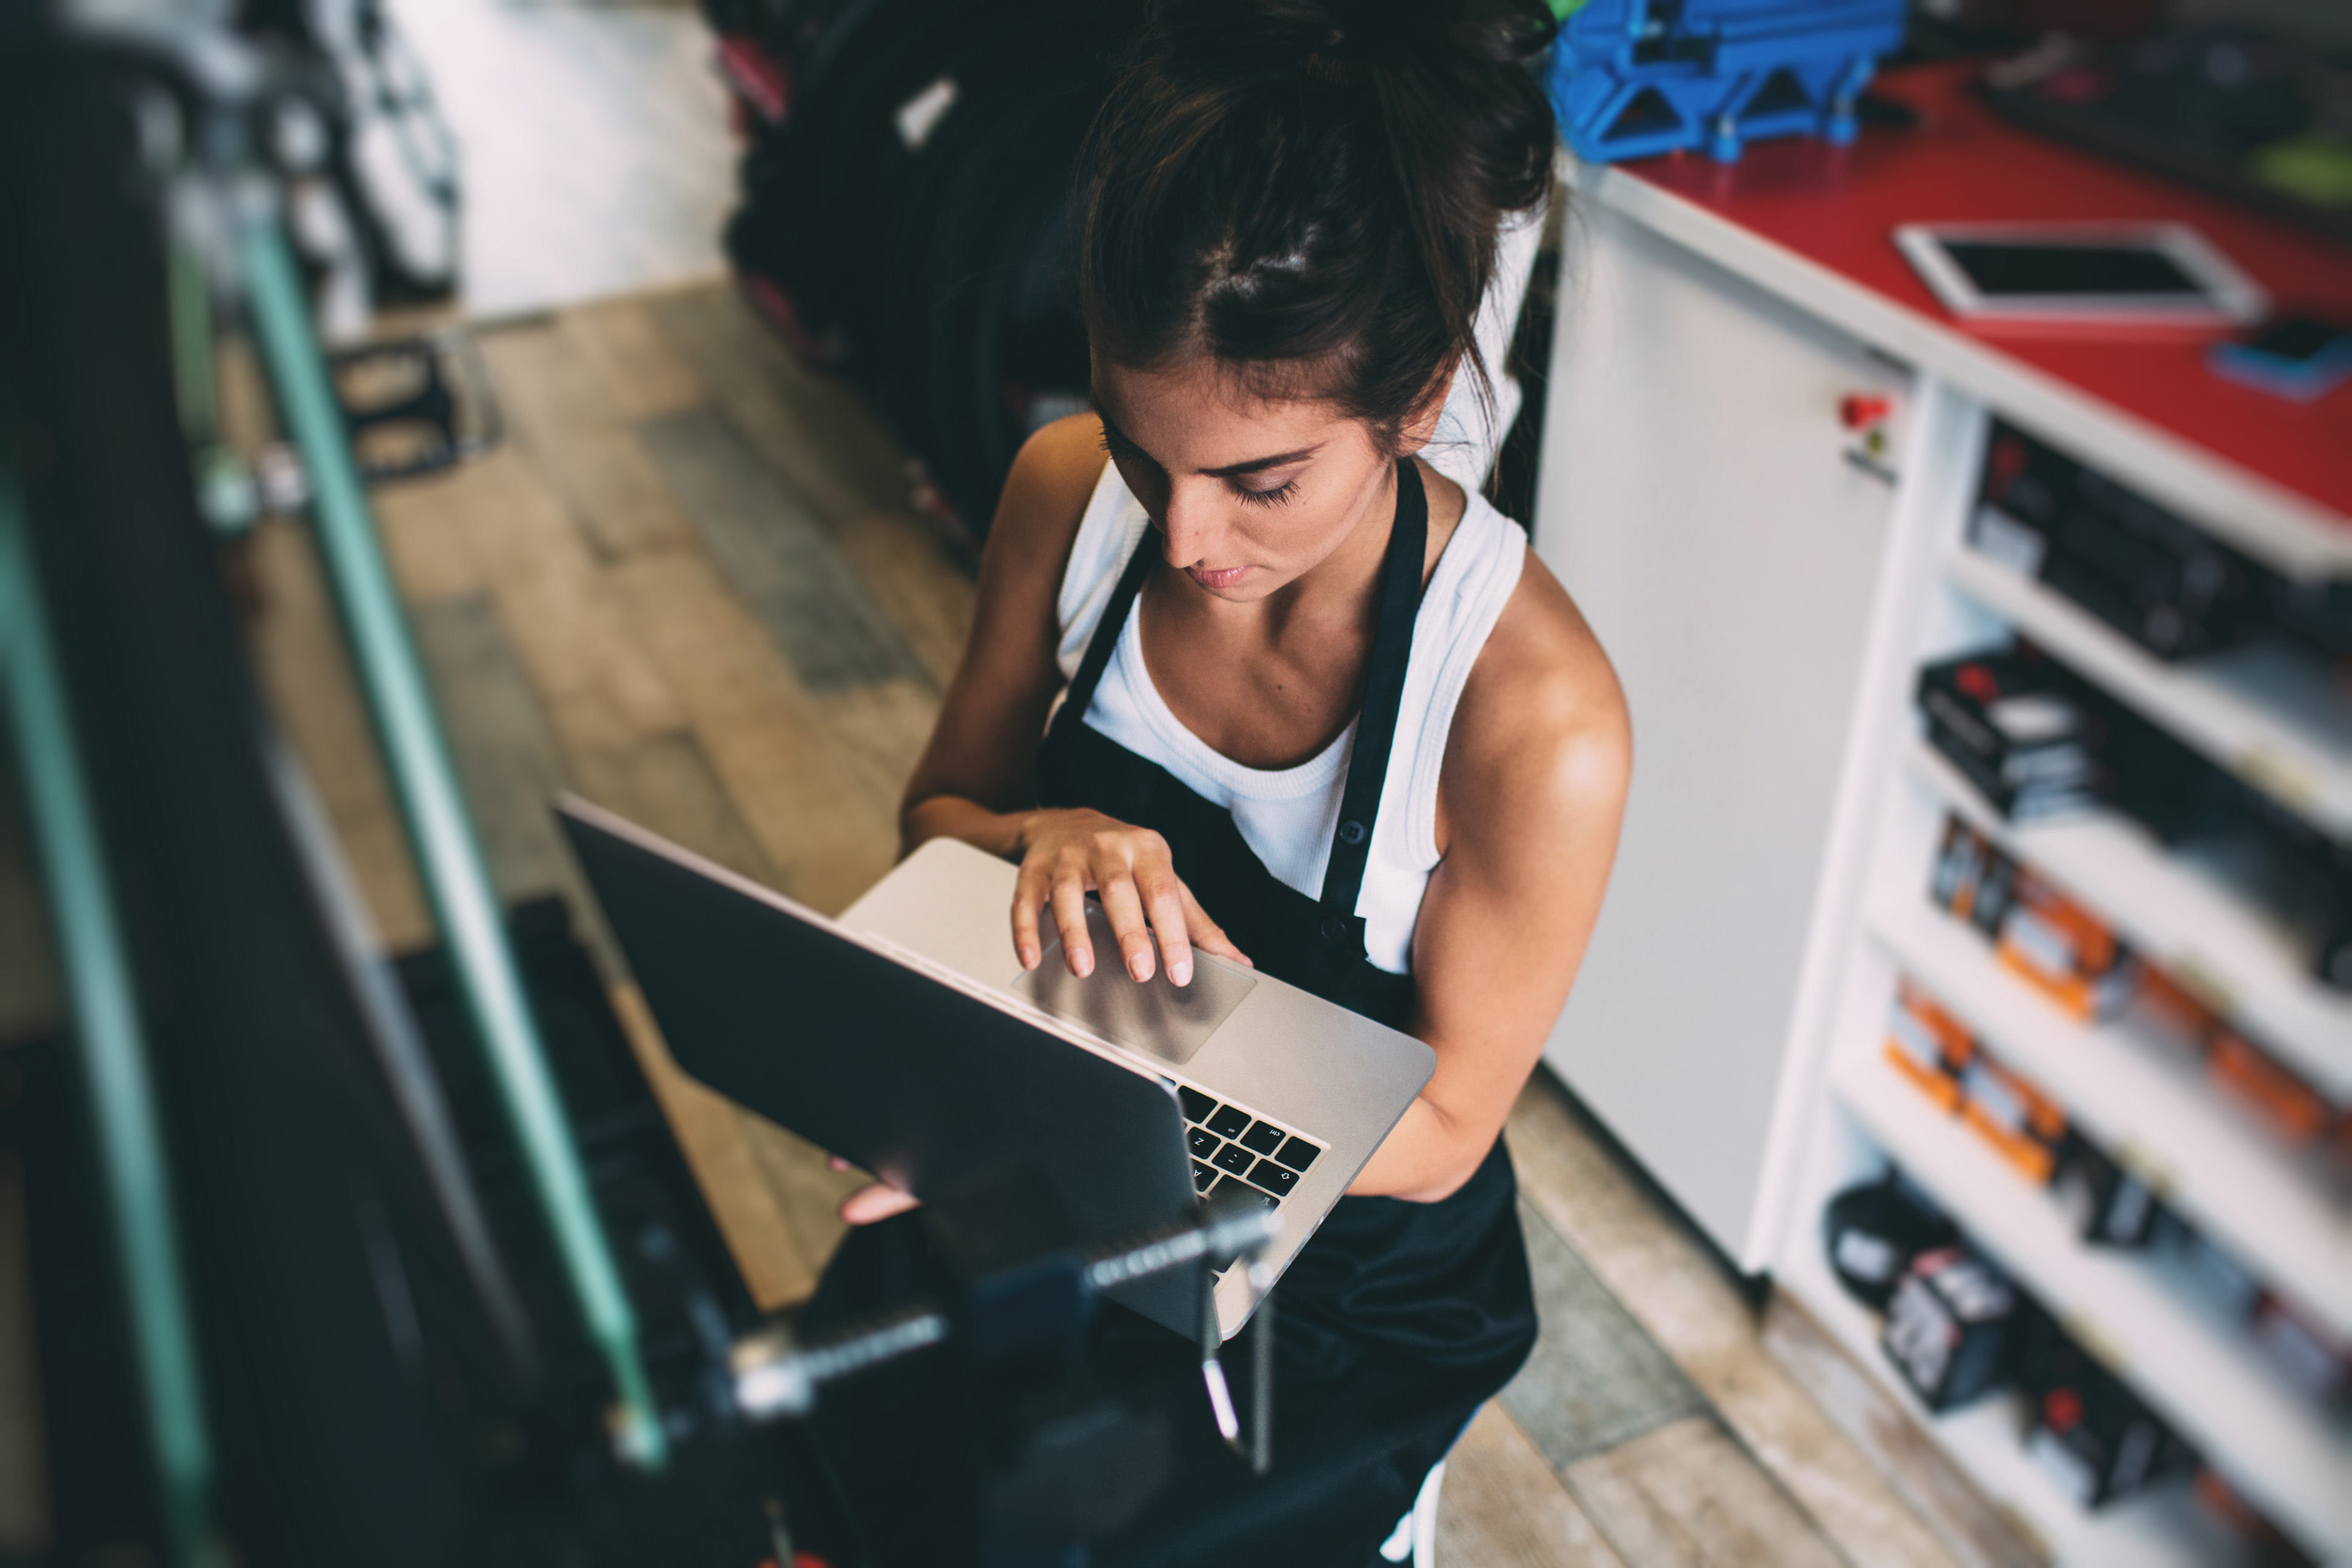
[2151, 273]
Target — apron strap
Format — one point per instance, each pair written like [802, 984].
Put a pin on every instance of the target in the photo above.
[1376, 721]
[1108, 631]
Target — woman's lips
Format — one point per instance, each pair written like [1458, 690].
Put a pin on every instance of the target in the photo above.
[1222, 577]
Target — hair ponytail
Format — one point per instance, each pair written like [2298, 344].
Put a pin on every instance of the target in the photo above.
[1308, 190]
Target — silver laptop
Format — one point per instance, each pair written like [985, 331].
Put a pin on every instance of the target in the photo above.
[1248, 1056]
[906, 1038]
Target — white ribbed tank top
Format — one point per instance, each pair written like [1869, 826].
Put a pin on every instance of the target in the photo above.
[1287, 816]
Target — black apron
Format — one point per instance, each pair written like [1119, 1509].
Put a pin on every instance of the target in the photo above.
[1397, 1320]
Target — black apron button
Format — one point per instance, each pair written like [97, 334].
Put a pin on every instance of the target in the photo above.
[1335, 928]
[1351, 832]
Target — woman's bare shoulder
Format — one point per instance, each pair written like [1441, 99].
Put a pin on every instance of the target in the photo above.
[1542, 725]
[1045, 495]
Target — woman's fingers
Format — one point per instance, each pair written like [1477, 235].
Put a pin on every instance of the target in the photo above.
[1163, 898]
[1070, 916]
[1125, 911]
[1153, 917]
[877, 1201]
[1029, 894]
[1207, 934]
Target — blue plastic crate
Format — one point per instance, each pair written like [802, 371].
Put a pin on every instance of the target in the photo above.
[1634, 77]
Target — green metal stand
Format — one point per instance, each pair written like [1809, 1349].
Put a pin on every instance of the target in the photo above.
[440, 827]
[114, 1053]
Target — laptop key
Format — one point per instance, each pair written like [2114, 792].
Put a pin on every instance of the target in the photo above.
[1262, 1139]
[1203, 1143]
[1298, 1154]
[1235, 1158]
[1196, 1105]
[1204, 1177]
[1274, 1178]
[1227, 1197]
[1228, 1121]
[1230, 1193]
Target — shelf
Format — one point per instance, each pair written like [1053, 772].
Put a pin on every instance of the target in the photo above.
[2265, 714]
[2152, 1109]
[2205, 1377]
[2187, 922]
[2161, 1528]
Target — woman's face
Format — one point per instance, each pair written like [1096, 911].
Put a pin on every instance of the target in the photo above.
[1249, 493]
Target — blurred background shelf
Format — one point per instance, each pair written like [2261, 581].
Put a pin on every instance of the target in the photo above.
[2161, 1528]
[2152, 1111]
[2204, 1376]
[2177, 914]
[2266, 713]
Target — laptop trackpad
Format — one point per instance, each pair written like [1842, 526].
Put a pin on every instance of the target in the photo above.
[1155, 1016]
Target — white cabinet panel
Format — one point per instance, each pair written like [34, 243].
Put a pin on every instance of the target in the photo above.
[1699, 502]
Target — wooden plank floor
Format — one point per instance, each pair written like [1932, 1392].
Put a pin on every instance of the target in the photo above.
[690, 586]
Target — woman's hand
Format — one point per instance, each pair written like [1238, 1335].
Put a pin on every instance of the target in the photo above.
[1065, 855]
[874, 1201]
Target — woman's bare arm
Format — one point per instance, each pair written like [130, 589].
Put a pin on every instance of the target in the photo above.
[977, 776]
[1532, 791]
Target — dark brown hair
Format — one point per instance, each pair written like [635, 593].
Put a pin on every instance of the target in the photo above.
[1307, 190]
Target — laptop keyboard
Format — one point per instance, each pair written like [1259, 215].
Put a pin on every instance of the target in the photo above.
[1238, 1156]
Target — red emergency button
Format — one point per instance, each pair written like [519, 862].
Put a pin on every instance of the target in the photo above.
[1861, 410]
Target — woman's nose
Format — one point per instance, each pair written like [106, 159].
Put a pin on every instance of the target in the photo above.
[1194, 522]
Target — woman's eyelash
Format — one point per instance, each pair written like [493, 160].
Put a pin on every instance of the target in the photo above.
[1274, 497]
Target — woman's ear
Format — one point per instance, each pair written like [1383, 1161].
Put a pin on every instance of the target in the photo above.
[1420, 426]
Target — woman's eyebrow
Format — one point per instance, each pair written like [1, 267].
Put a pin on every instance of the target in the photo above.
[1257, 465]
[1230, 470]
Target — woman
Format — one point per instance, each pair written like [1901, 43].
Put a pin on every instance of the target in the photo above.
[1320, 710]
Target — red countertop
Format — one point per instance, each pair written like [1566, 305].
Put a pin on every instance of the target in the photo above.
[1838, 207]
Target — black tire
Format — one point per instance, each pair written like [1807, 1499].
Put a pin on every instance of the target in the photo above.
[987, 322]
[937, 273]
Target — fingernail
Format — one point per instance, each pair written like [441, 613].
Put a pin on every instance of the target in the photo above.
[1083, 962]
[1180, 969]
[1028, 958]
[1139, 965]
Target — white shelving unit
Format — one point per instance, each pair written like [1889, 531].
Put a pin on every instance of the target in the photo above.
[2268, 716]
[2141, 1095]
[2175, 914]
[2149, 1109]
[2162, 1527]
[2207, 1378]
[1768, 611]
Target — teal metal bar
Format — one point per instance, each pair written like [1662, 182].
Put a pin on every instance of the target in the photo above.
[440, 827]
[192, 349]
[113, 1051]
